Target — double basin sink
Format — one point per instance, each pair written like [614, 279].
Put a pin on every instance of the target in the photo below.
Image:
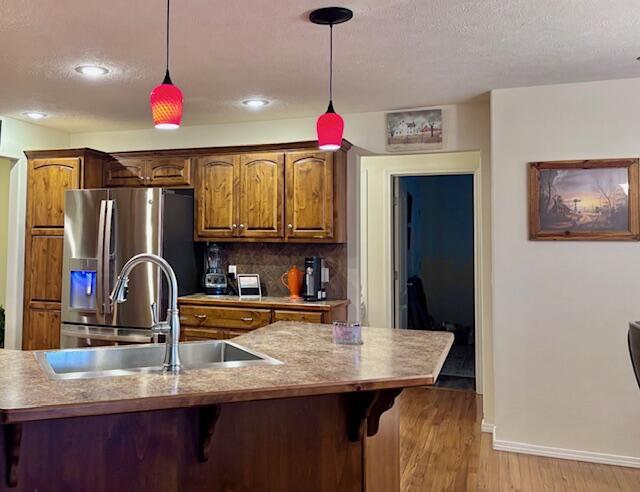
[136, 359]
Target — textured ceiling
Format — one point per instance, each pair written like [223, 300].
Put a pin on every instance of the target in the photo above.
[394, 54]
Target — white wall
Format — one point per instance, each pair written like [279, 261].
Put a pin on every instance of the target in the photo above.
[18, 136]
[562, 372]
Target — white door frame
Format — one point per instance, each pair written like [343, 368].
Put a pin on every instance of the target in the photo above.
[377, 242]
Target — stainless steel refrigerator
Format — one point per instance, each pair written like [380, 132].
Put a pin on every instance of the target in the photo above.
[103, 228]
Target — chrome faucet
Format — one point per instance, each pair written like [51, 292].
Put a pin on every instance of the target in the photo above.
[171, 326]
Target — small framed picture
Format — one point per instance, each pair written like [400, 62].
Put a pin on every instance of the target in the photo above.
[249, 286]
[591, 200]
[414, 130]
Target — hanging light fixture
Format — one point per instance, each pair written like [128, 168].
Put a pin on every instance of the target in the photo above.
[166, 98]
[330, 126]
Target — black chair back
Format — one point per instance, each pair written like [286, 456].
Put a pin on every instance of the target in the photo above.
[634, 347]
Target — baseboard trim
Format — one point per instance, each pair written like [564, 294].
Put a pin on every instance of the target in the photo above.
[566, 454]
[487, 427]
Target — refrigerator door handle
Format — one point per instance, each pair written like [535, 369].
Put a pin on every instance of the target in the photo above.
[100, 294]
[107, 256]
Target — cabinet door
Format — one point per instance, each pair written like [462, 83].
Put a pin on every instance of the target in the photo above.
[309, 203]
[48, 180]
[261, 195]
[216, 196]
[45, 268]
[125, 172]
[42, 330]
[169, 171]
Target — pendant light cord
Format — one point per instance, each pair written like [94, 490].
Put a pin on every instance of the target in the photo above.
[330, 107]
[168, 2]
[167, 77]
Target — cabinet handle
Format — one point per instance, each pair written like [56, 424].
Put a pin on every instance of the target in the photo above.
[241, 226]
[290, 226]
[233, 226]
[246, 319]
[201, 317]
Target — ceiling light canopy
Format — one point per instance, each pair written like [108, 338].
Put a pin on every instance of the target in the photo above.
[92, 70]
[330, 126]
[166, 99]
[255, 103]
[35, 115]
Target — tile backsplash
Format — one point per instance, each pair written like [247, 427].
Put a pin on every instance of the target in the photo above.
[271, 260]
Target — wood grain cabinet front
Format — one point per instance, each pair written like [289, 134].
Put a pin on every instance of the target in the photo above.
[44, 329]
[310, 195]
[217, 196]
[283, 196]
[45, 269]
[48, 181]
[125, 173]
[168, 172]
[50, 175]
[232, 318]
[208, 320]
[261, 203]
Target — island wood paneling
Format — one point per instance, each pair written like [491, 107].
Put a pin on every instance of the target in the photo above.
[275, 445]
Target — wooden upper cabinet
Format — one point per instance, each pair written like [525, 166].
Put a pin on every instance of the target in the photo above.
[148, 171]
[217, 196]
[48, 181]
[129, 172]
[261, 203]
[169, 171]
[310, 194]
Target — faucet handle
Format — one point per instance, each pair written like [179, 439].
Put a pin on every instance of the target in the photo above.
[154, 312]
[162, 328]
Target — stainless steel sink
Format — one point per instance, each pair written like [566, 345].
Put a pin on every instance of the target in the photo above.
[136, 359]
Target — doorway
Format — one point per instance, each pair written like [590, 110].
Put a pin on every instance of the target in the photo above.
[434, 265]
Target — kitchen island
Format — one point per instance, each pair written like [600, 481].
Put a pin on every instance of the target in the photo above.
[322, 420]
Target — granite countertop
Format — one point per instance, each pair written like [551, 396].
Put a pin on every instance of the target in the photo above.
[264, 302]
[312, 365]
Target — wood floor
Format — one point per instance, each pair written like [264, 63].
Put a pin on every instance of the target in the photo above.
[442, 449]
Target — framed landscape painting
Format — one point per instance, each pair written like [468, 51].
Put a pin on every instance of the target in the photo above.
[593, 200]
[414, 130]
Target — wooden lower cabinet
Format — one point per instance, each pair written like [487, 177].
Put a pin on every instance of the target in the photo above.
[207, 321]
[44, 329]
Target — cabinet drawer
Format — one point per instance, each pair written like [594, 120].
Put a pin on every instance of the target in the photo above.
[190, 334]
[303, 316]
[215, 317]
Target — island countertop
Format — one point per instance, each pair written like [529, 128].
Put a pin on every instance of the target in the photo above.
[312, 365]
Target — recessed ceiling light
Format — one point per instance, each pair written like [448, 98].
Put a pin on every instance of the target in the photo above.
[35, 115]
[92, 70]
[255, 103]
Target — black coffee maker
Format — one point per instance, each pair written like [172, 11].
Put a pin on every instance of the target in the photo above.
[315, 278]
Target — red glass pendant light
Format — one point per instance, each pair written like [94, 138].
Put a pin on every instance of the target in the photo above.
[166, 98]
[330, 126]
